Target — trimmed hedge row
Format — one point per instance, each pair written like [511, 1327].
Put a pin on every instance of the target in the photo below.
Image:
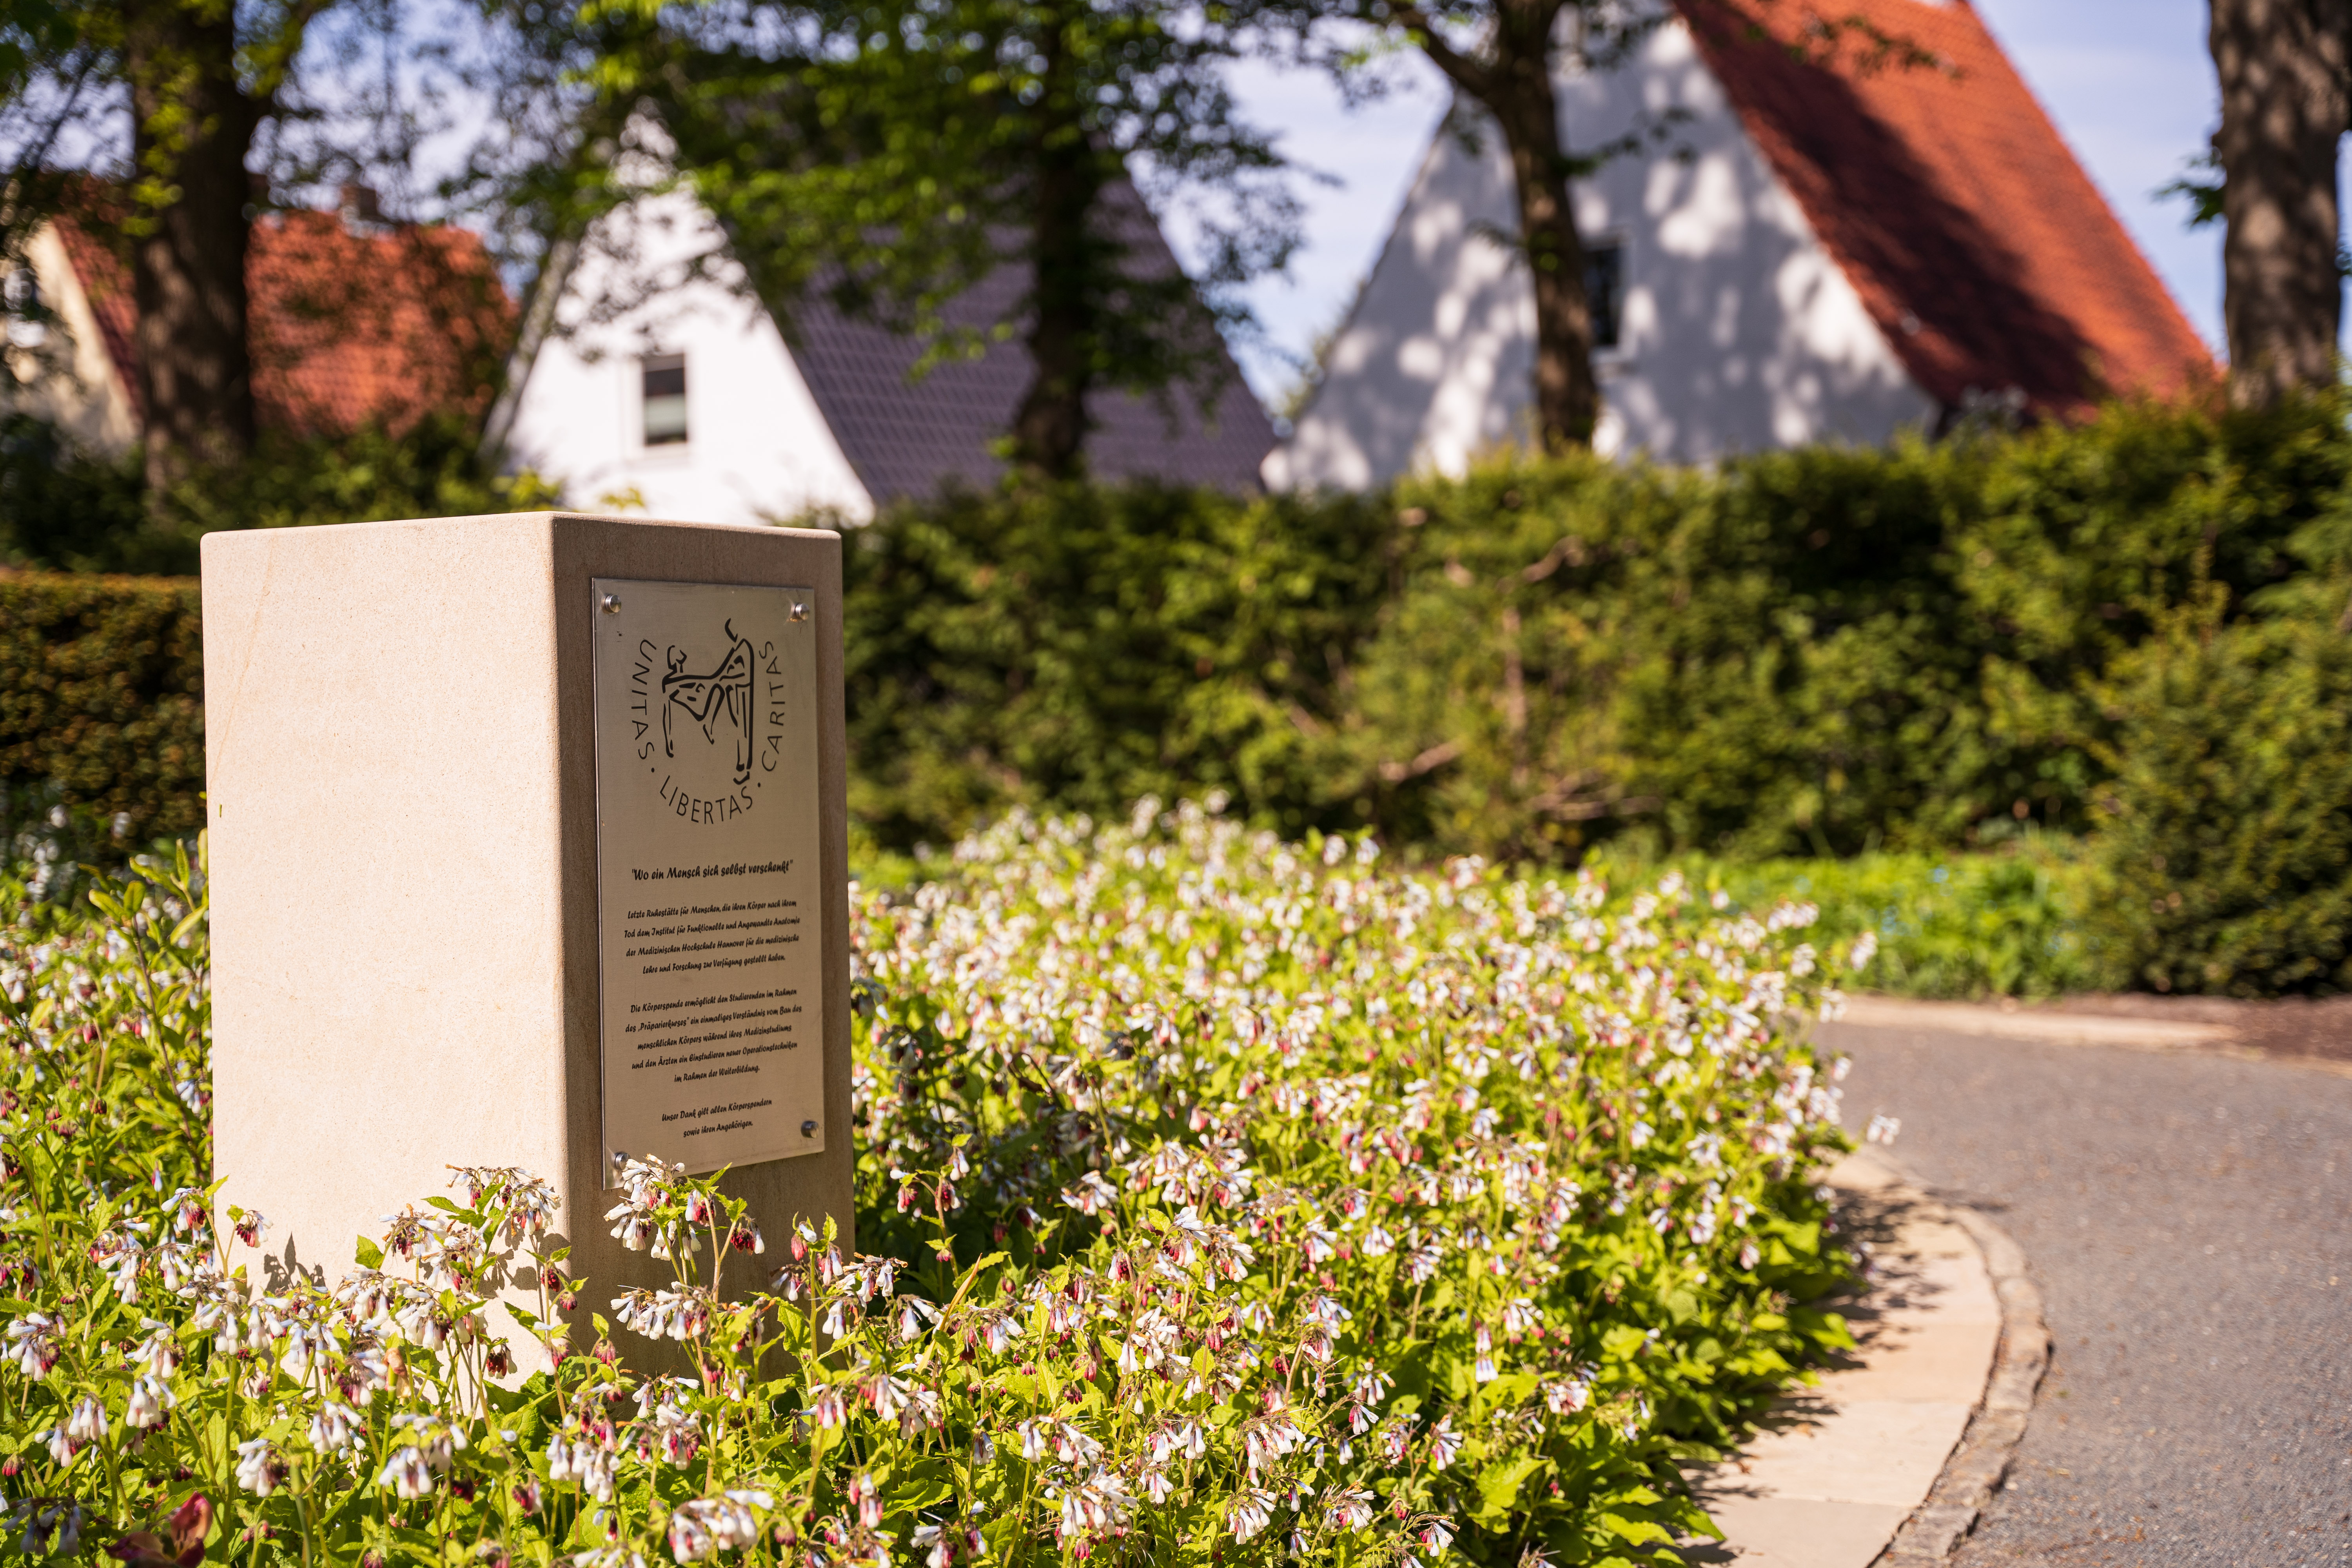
[2132, 630]
[101, 699]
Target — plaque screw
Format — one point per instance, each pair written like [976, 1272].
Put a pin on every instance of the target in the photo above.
[808, 1129]
[800, 610]
[612, 605]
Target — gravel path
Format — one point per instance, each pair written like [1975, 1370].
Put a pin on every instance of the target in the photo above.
[2188, 1217]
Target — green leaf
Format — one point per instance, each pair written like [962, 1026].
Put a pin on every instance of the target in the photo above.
[1636, 1530]
[1498, 1484]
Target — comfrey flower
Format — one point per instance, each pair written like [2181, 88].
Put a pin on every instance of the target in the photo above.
[333, 1427]
[1348, 1508]
[158, 1354]
[33, 1345]
[828, 1406]
[868, 1498]
[435, 1435]
[151, 1398]
[1100, 1503]
[46, 1524]
[88, 1422]
[407, 1474]
[1251, 1512]
[722, 1523]
[1268, 1437]
[62, 1447]
[670, 1313]
[584, 1462]
[1445, 1444]
[258, 1467]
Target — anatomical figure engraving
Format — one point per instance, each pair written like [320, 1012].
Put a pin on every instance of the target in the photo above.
[705, 698]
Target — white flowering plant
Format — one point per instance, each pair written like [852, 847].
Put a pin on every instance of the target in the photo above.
[1221, 1201]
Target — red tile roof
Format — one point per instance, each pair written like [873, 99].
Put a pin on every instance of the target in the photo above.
[1978, 244]
[347, 326]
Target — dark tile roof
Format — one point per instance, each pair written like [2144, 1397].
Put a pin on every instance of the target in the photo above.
[908, 439]
[1976, 241]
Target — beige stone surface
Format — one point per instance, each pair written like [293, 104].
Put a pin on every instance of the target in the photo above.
[402, 795]
[1843, 1464]
[2068, 1028]
[1780, 1532]
[1926, 1368]
[1861, 1450]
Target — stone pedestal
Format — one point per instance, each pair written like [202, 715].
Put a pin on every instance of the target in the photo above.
[402, 755]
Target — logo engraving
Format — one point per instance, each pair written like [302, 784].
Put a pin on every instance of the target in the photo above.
[723, 697]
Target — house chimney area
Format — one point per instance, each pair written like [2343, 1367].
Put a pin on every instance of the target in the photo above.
[361, 209]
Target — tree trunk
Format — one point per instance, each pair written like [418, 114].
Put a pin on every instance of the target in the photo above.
[1049, 430]
[2284, 106]
[1516, 89]
[192, 127]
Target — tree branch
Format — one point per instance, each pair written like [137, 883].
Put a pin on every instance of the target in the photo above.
[1465, 73]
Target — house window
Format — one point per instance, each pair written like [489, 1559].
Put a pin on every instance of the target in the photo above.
[1604, 288]
[664, 382]
[21, 294]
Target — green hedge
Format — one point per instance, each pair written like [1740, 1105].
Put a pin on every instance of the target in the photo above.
[62, 509]
[2135, 625]
[1086, 646]
[101, 699]
[1805, 653]
[1823, 653]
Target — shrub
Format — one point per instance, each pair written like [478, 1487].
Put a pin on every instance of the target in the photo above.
[1083, 645]
[1821, 651]
[1232, 1201]
[2226, 855]
[1760, 661]
[66, 510]
[102, 703]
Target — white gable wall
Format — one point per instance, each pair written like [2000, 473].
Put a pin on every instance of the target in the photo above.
[1738, 332]
[63, 373]
[758, 450]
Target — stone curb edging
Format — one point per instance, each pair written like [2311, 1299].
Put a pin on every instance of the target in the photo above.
[1978, 1465]
[2009, 1021]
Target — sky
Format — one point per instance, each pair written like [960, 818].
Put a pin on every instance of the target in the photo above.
[2128, 82]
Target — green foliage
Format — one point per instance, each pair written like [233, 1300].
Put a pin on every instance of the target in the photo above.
[436, 469]
[1991, 642]
[1233, 1201]
[958, 170]
[1822, 650]
[101, 704]
[101, 677]
[1086, 646]
[2226, 852]
[64, 510]
[2009, 921]
[1919, 651]
[1757, 662]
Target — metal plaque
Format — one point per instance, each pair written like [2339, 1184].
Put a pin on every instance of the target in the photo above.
[708, 916]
